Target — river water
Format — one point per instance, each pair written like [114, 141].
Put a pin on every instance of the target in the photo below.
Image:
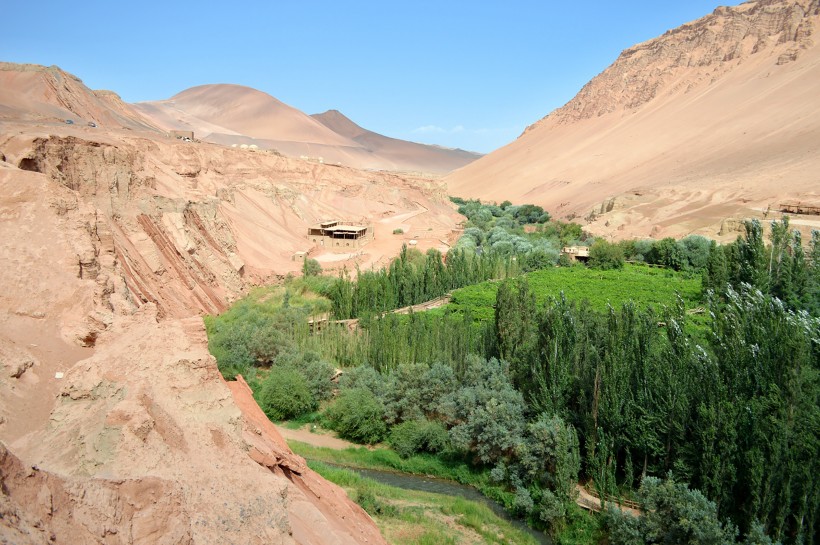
[448, 488]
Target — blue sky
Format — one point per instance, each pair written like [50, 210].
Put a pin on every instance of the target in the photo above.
[460, 74]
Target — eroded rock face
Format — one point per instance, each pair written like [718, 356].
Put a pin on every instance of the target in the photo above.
[40, 507]
[114, 244]
[694, 53]
[147, 444]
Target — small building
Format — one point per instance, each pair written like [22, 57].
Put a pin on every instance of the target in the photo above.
[576, 253]
[800, 208]
[182, 135]
[336, 235]
[299, 256]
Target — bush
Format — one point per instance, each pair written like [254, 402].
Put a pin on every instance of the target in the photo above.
[311, 267]
[285, 394]
[415, 436]
[366, 377]
[371, 503]
[398, 231]
[316, 372]
[604, 255]
[672, 514]
[358, 416]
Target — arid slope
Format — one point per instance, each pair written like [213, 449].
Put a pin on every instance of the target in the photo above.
[716, 119]
[404, 155]
[115, 425]
[235, 115]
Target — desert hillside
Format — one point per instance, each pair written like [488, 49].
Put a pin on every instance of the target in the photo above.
[48, 95]
[713, 121]
[234, 115]
[404, 155]
[115, 424]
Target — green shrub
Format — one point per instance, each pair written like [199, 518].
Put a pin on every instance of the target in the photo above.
[358, 416]
[316, 372]
[414, 436]
[285, 393]
[604, 255]
[311, 267]
[398, 231]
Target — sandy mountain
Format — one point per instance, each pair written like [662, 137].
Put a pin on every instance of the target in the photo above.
[716, 119]
[243, 110]
[48, 94]
[236, 115]
[404, 155]
[115, 424]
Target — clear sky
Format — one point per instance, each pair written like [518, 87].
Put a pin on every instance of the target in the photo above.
[461, 74]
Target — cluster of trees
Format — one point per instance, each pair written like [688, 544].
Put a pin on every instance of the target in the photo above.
[737, 417]
[475, 414]
[500, 229]
[783, 269]
[687, 254]
[548, 393]
[414, 278]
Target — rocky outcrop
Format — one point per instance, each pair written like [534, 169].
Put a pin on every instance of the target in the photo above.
[152, 446]
[40, 507]
[694, 53]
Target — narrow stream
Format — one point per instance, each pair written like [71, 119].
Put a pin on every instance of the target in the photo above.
[448, 488]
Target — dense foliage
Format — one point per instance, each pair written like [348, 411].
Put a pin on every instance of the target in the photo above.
[613, 376]
[413, 278]
[672, 514]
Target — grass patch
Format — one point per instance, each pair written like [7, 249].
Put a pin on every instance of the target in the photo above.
[646, 286]
[408, 517]
[297, 423]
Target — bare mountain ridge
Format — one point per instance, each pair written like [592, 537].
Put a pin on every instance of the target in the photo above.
[234, 115]
[40, 93]
[686, 133]
[694, 53]
[407, 155]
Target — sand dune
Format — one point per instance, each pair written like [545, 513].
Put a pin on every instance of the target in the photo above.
[236, 115]
[403, 154]
[716, 119]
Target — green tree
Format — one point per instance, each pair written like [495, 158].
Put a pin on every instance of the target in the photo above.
[358, 415]
[285, 394]
[487, 413]
[605, 255]
[671, 514]
[311, 267]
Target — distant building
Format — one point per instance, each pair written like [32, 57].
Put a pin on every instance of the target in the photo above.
[336, 235]
[576, 253]
[182, 135]
[800, 208]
